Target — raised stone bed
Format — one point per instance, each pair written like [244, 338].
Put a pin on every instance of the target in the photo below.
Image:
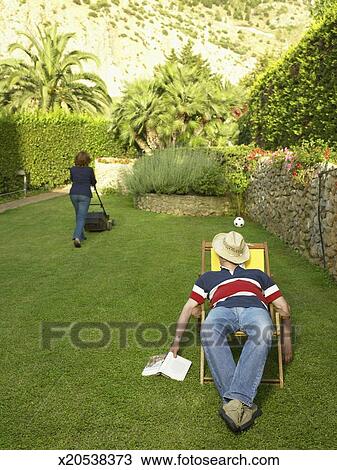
[109, 172]
[184, 205]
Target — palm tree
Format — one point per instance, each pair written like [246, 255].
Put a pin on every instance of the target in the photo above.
[196, 109]
[49, 77]
[135, 115]
[185, 103]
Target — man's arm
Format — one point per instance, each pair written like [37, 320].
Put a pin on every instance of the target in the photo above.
[283, 308]
[182, 323]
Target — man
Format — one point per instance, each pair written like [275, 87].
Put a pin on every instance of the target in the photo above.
[239, 298]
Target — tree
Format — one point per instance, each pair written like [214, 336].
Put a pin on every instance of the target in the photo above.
[185, 103]
[49, 78]
[135, 114]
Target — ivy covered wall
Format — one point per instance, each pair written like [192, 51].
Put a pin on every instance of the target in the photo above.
[296, 98]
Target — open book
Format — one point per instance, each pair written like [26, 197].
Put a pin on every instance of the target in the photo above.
[165, 364]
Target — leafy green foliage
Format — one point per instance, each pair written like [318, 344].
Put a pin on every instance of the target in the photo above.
[319, 7]
[45, 146]
[177, 171]
[204, 171]
[237, 167]
[264, 61]
[185, 104]
[49, 78]
[301, 161]
[295, 99]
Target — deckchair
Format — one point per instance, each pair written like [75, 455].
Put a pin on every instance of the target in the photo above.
[259, 259]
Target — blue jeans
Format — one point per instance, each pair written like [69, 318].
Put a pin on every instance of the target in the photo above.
[81, 204]
[237, 381]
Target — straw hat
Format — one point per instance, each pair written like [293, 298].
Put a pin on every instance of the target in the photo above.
[231, 246]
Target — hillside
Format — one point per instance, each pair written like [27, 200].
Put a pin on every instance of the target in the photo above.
[130, 37]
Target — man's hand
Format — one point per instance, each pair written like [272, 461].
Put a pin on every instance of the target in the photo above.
[174, 349]
[283, 309]
[287, 350]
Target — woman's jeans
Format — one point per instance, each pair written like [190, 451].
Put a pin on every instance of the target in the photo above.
[81, 204]
[237, 381]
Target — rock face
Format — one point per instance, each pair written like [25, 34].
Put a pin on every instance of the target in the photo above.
[131, 37]
[305, 218]
[184, 205]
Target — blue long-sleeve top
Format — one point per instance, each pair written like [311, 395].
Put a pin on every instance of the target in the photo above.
[82, 178]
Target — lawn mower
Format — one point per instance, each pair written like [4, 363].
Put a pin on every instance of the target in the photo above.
[98, 221]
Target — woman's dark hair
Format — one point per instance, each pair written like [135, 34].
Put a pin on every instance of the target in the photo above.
[82, 159]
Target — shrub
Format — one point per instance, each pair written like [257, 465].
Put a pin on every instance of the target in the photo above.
[45, 146]
[177, 171]
[238, 163]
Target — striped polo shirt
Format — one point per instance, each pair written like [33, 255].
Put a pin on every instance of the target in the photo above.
[243, 288]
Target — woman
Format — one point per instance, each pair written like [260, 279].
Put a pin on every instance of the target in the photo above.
[82, 177]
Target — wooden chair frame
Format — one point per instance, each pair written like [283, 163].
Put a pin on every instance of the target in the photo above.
[206, 248]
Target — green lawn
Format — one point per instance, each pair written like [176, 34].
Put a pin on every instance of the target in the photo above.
[142, 271]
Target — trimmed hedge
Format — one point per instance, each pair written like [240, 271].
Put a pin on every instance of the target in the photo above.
[45, 145]
[295, 99]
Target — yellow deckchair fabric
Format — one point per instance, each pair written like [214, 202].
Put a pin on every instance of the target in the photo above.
[256, 260]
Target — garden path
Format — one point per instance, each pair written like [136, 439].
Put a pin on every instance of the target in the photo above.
[57, 192]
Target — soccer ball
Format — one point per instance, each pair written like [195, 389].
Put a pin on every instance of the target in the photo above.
[239, 222]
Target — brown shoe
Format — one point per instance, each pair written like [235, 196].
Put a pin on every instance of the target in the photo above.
[77, 243]
[232, 413]
[248, 416]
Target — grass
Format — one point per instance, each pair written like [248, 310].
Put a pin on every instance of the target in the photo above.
[142, 271]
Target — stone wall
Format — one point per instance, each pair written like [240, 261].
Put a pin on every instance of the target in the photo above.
[109, 173]
[184, 205]
[276, 201]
